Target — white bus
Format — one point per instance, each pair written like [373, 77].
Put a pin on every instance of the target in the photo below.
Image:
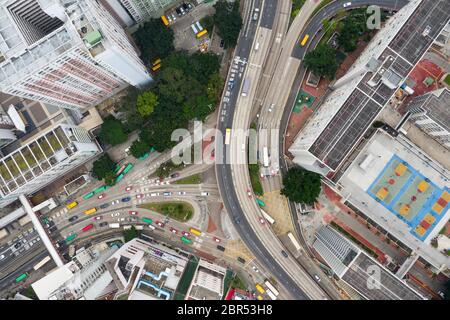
[41, 263]
[267, 217]
[245, 87]
[139, 227]
[265, 157]
[271, 295]
[294, 241]
[194, 28]
[227, 136]
[271, 288]
[200, 28]
[114, 225]
[127, 227]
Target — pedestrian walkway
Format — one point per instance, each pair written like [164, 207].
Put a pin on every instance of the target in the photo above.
[278, 208]
[236, 248]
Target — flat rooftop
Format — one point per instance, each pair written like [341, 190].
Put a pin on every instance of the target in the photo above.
[377, 87]
[369, 278]
[403, 190]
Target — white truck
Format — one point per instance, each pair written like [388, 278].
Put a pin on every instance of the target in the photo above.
[24, 220]
[3, 233]
[256, 14]
[114, 225]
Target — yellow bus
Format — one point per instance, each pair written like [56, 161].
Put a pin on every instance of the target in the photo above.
[260, 288]
[90, 211]
[72, 205]
[155, 68]
[164, 20]
[202, 33]
[157, 61]
[198, 233]
[305, 39]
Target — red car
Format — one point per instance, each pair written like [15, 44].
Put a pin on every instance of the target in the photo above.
[159, 223]
[174, 230]
[127, 189]
[98, 218]
[262, 220]
[216, 239]
[88, 227]
[101, 196]
[249, 193]
[185, 233]
[133, 212]
[140, 195]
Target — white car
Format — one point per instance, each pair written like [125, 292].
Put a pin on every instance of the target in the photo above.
[115, 202]
[120, 219]
[155, 194]
[347, 4]
[115, 214]
[2, 257]
[317, 278]
[182, 193]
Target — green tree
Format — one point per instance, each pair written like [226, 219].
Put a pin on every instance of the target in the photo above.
[351, 29]
[154, 40]
[130, 234]
[228, 21]
[214, 87]
[301, 186]
[139, 148]
[110, 178]
[127, 105]
[103, 166]
[322, 61]
[112, 131]
[146, 103]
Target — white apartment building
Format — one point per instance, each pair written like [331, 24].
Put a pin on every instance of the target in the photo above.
[66, 53]
[44, 159]
[340, 123]
[431, 113]
[141, 10]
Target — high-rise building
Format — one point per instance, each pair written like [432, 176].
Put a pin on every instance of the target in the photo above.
[42, 160]
[340, 123]
[431, 113]
[66, 53]
[142, 10]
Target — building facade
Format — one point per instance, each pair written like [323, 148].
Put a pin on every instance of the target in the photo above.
[44, 159]
[141, 10]
[431, 113]
[340, 123]
[71, 54]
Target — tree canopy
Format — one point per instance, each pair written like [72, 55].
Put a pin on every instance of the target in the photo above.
[139, 148]
[301, 186]
[154, 40]
[103, 166]
[352, 28]
[146, 103]
[322, 61]
[130, 234]
[228, 21]
[112, 131]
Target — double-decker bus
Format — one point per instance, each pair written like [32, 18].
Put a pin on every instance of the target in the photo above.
[260, 288]
[119, 177]
[101, 189]
[128, 168]
[197, 232]
[271, 288]
[72, 205]
[260, 202]
[164, 20]
[89, 195]
[194, 28]
[199, 26]
[227, 136]
[71, 237]
[87, 228]
[147, 220]
[186, 240]
[22, 277]
[41, 263]
[305, 40]
[294, 241]
[267, 217]
[119, 169]
[90, 211]
[202, 33]
[271, 295]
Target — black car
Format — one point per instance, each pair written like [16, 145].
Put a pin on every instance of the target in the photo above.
[284, 253]
[175, 175]
[219, 247]
[185, 6]
[178, 11]
[241, 260]
[104, 206]
[72, 219]
[18, 245]
[126, 199]
[222, 43]
[237, 220]
[102, 224]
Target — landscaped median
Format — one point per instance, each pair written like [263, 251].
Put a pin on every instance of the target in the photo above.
[180, 211]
